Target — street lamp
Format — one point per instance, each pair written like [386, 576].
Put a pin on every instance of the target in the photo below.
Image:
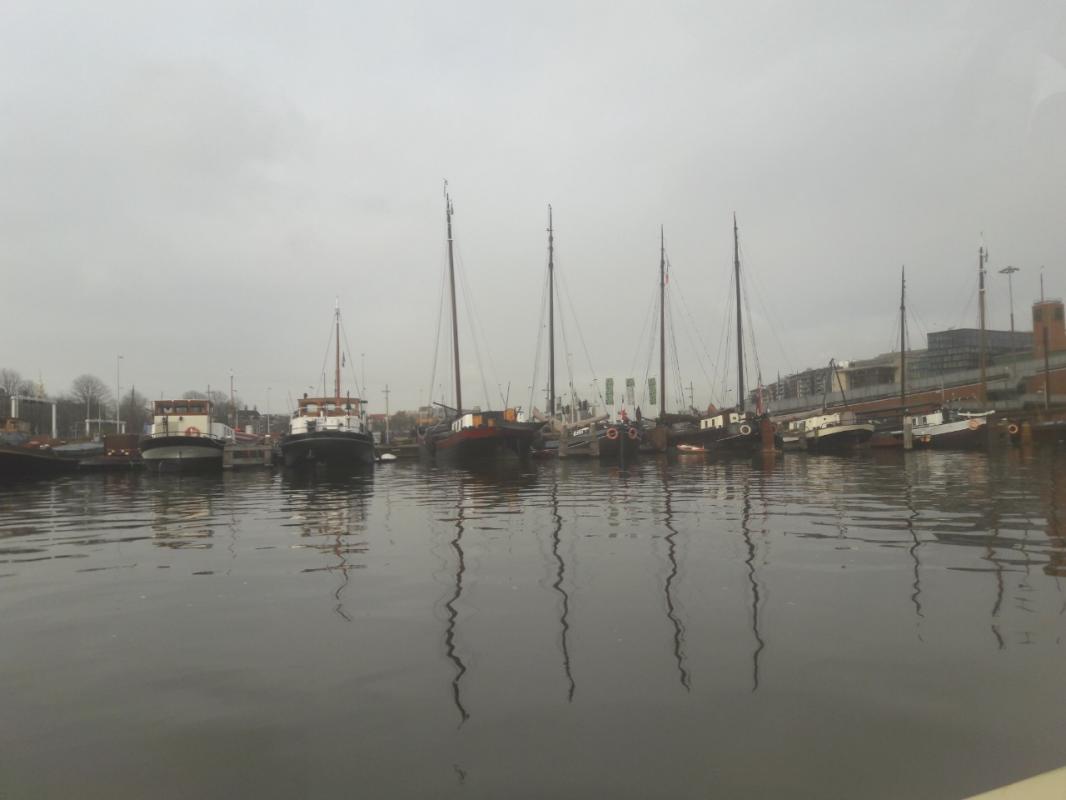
[268, 412]
[1009, 271]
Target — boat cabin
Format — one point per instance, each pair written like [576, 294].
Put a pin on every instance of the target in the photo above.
[186, 418]
[719, 421]
[487, 419]
[327, 414]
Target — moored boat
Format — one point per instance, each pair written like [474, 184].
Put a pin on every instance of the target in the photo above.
[473, 437]
[183, 437]
[950, 429]
[331, 432]
[835, 433]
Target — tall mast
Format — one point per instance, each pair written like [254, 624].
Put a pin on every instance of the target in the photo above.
[982, 257]
[740, 326]
[337, 377]
[551, 316]
[451, 282]
[662, 322]
[903, 338]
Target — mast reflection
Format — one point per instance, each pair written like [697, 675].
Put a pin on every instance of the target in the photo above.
[560, 574]
[671, 578]
[745, 529]
[912, 516]
[453, 613]
[330, 511]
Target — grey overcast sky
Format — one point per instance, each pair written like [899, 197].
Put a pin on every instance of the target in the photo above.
[192, 184]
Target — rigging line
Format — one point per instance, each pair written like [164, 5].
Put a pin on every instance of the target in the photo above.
[540, 340]
[359, 388]
[699, 344]
[745, 294]
[436, 345]
[966, 308]
[476, 328]
[692, 320]
[760, 298]
[566, 345]
[325, 356]
[651, 316]
[703, 370]
[726, 341]
[677, 370]
[565, 288]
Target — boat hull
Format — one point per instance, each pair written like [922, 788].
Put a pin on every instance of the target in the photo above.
[24, 462]
[478, 445]
[623, 446]
[182, 453]
[328, 449]
[956, 435]
[838, 438]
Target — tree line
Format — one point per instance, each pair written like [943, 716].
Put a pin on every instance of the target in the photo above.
[89, 397]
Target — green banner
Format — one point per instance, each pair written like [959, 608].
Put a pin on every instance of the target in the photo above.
[609, 398]
[631, 386]
[651, 391]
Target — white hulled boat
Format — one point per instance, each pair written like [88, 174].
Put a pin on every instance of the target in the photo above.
[183, 437]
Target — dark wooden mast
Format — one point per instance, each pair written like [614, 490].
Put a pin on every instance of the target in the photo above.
[903, 339]
[551, 316]
[662, 322]
[740, 326]
[449, 210]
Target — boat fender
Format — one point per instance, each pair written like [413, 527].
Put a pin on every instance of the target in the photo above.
[1013, 429]
[612, 433]
[192, 430]
[633, 434]
[973, 424]
[745, 429]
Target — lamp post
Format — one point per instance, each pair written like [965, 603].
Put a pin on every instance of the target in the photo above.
[268, 413]
[1009, 271]
[118, 369]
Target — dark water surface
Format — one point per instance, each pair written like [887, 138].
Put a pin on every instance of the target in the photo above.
[876, 627]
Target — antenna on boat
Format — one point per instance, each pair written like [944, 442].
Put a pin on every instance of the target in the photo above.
[551, 317]
[449, 210]
[740, 327]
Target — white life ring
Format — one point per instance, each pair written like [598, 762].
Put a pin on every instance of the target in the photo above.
[745, 429]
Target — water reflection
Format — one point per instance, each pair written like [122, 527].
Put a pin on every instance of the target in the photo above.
[560, 575]
[453, 613]
[668, 586]
[753, 581]
[437, 600]
[330, 510]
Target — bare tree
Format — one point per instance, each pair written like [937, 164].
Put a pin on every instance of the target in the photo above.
[90, 391]
[11, 382]
[135, 410]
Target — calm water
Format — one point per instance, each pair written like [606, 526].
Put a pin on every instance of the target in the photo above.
[824, 627]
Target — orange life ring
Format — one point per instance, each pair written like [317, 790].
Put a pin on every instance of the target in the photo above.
[973, 424]
[633, 433]
[612, 433]
[1013, 429]
[192, 430]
